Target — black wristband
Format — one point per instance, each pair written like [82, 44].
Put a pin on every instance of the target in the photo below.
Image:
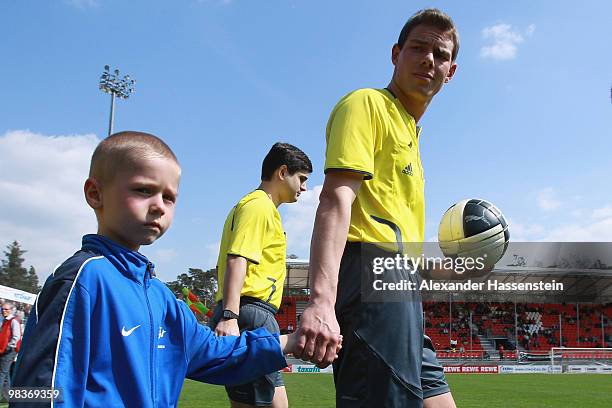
[229, 315]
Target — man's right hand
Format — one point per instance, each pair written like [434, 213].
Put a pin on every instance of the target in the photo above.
[318, 335]
[227, 328]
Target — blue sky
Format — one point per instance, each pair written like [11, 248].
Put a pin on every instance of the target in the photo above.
[526, 123]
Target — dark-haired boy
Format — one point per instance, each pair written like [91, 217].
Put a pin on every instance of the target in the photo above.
[105, 331]
[251, 264]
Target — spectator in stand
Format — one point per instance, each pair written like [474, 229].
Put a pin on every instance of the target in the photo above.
[501, 351]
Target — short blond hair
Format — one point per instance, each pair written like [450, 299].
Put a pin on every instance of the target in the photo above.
[124, 150]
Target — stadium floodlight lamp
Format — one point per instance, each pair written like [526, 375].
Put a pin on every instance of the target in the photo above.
[113, 84]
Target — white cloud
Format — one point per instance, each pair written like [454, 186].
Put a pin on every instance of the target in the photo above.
[164, 260]
[547, 201]
[299, 220]
[592, 226]
[165, 255]
[505, 40]
[42, 206]
[604, 212]
[524, 232]
[597, 231]
[578, 213]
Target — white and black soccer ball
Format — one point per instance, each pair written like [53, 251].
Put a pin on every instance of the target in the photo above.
[474, 228]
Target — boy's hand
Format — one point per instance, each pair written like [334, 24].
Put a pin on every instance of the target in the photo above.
[288, 342]
[323, 364]
[227, 328]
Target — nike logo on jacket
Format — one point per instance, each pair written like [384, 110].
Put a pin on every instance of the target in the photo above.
[126, 333]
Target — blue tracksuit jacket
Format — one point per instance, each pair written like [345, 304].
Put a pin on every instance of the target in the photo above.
[108, 333]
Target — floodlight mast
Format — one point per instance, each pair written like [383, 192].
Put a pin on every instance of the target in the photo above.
[113, 84]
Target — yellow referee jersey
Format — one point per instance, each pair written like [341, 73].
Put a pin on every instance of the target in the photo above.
[370, 132]
[253, 230]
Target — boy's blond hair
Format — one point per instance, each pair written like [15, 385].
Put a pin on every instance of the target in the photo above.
[125, 150]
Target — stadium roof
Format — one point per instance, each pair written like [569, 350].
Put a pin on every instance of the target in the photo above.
[580, 284]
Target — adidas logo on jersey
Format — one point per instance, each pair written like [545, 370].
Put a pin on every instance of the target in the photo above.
[408, 169]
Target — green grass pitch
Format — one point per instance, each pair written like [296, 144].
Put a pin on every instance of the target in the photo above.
[470, 391]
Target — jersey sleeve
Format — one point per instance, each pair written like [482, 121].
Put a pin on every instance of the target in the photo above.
[55, 345]
[351, 131]
[73, 352]
[248, 230]
[229, 360]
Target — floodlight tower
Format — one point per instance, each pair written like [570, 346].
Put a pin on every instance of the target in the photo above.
[112, 84]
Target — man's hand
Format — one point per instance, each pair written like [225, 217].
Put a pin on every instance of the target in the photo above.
[289, 344]
[319, 335]
[227, 328]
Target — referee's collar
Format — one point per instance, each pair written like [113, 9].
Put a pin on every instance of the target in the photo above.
[418, 128]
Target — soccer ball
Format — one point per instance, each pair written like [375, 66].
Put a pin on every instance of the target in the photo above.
[474, 229]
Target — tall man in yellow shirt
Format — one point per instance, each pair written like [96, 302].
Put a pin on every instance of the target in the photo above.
[372, 202]
[251, 265]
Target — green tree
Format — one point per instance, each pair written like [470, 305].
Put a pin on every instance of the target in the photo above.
[202, 283]
[14, 274]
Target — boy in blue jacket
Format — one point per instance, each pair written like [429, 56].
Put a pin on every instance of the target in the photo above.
[104, 330]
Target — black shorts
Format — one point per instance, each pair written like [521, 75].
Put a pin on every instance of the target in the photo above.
[254, 314]
[386, 359]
